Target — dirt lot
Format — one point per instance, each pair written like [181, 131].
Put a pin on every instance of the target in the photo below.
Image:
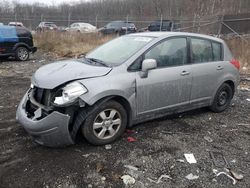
[159, 149]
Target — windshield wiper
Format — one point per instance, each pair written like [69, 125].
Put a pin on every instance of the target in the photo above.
[98, 61]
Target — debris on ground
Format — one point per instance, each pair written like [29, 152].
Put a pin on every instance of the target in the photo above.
[208, 139]
[236, 175]
[129, 131]
[128, 180]
[131, 139]
[130, 167]
[108, 147]
[99, 167]
[191, 177]
[159, 179]
[86, 155]
[248, 100]
[103, 178]
[226, 174]
[245, 89]
[190, 158]
[43, 60]
[180, 160]
[218, 159]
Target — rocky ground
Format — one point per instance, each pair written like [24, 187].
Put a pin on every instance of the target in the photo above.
[158, 150]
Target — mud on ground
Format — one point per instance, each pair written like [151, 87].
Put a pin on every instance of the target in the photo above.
[159, 149]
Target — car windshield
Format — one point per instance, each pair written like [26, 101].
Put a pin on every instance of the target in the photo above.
[118, 50]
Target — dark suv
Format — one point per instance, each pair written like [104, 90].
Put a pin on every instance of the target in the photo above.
[164, 25]
[46, 26]
[118, 27]
[16, 42]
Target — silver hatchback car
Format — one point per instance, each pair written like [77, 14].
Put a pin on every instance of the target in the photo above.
[128, 80]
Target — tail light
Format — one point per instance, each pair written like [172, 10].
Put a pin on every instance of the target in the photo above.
[235, 63]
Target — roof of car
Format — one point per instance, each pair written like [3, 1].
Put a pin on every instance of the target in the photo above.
[169, 34]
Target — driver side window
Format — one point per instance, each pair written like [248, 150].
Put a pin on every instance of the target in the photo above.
[172, 52]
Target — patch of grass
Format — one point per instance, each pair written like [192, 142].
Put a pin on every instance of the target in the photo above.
[69, 44]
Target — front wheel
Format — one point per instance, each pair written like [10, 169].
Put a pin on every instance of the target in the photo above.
[22, 54]
[105, 124]
[222, 98]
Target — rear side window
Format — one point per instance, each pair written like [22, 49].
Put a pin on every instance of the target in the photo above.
[217, 51]
[201, 50]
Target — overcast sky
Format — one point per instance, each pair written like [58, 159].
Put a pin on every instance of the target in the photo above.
[48, 2]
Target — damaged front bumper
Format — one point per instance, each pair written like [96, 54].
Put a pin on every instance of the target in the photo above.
[51, 130]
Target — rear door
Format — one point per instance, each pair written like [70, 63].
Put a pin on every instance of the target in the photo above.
[169, 85]
[207, 68]
[8, 39]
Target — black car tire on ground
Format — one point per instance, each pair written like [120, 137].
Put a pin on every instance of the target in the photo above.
[222, 98]
[91, 133]
[22, 53]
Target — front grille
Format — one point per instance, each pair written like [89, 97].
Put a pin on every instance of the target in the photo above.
[42, 96]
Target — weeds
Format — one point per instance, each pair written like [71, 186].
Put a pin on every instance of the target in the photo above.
[69, 44]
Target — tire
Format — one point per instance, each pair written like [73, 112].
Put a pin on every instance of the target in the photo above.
[105, 119]
[222, 98]
[22, 54]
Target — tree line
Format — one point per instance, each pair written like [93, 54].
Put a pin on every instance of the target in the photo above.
[102, 11]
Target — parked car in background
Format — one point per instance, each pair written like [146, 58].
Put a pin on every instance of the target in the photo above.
[164, 25]
[118, 27]
[81, 27]
[18, 24]
[62, 28]
[16, 42]
[47, 26]
[131, 79]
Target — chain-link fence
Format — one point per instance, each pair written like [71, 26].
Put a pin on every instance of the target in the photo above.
[213, 25]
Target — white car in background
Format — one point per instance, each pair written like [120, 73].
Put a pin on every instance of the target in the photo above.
[81, 27]
[17, 24]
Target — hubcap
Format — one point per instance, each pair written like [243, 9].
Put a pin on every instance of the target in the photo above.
[107, 123]
[22, 53]
[223, 98]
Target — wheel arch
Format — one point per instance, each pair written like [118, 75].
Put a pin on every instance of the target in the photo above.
[230, 82]
[123, 101]
[21, 45]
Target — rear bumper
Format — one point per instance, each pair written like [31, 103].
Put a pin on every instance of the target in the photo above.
[51, 131]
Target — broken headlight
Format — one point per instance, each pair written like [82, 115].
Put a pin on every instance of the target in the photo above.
[70, 93]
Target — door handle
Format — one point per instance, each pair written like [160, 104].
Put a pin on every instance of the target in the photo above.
[220, 68]
[184, 73]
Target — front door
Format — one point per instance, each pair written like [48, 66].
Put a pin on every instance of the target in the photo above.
[169, 85]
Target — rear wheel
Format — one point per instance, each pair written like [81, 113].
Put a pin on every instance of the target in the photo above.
[222, 98]
[105, 124]
[22, 54]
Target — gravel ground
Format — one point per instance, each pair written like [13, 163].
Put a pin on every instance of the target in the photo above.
[159, 148]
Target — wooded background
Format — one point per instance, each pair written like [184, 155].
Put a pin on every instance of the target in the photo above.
[142, 12]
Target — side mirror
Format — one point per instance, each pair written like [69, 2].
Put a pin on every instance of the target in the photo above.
[147, 64]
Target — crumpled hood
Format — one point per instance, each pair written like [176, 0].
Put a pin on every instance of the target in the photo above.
[55, 74]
